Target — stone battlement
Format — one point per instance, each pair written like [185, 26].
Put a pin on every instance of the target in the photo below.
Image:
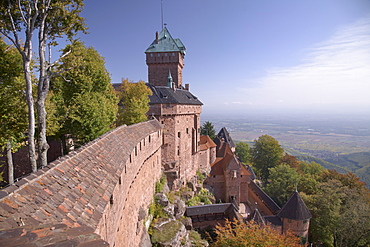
[106, 185]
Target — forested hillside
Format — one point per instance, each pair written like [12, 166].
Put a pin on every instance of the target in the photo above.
[358, 163]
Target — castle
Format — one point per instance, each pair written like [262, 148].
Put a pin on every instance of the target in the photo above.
[99, 194]
[230, 181]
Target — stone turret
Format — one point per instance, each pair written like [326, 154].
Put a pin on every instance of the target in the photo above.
[296, 216]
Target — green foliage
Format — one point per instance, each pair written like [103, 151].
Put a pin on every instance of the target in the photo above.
[201, 176]
[166, 233]
[284, 180]
[58, 18]
[51, 20]
[156, 210]
[134, 98]
[243, 152]
[322, 162]
[13, 110]
[208, 129]
[196, 239]
[159, 185]
[340, 209]
[266, 153]
[202, 198]
[82, 102]
[358, 163]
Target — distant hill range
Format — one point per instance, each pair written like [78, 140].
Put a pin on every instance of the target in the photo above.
[357, 163]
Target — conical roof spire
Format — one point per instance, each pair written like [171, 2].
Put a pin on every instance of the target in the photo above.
[295, 209]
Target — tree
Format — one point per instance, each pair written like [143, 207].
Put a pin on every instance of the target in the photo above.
[266, 153]
[283, 182]
[340, 209]
[238, 233]
[82, 102]
[134, 98]
[290, 160]
[13, 110]
[52, 20]
[243, 152]
[208, 129]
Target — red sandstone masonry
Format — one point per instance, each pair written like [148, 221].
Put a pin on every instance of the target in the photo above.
[93, 186]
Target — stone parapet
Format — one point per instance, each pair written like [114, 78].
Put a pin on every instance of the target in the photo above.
[102, 185]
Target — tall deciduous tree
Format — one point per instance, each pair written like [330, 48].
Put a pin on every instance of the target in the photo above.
[243, 152]
[266, 153]
[283, 182]
[82, 102]
[134, 101]
[13, 108]
[52, 20]
[340, 209]
[208, 129]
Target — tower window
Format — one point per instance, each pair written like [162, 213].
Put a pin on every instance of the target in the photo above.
[179, 134]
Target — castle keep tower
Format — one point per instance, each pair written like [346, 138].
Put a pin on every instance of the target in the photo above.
[163, 55]
[175, 107]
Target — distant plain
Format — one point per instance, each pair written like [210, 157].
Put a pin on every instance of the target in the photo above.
[340, 142]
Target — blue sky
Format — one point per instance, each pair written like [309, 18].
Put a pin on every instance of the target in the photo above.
[247, 56]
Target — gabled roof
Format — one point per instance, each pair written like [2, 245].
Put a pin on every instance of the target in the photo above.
[206, 143]
[218, 167]
[224, 134]
[295, 209]
[165, 43]
[167, 95]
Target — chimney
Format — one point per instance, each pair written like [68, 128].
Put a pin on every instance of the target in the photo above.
[187, 87]
[156, 38]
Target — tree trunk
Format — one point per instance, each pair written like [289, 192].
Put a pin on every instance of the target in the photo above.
[9, 157]
[31, 114]
[43, 89]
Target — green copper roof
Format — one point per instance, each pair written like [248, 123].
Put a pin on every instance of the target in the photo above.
[165, 43]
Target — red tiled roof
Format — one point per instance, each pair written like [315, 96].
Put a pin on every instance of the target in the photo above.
[206, 143]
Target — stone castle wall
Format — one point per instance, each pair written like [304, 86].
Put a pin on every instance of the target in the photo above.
[106, 185]
[181, 138]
